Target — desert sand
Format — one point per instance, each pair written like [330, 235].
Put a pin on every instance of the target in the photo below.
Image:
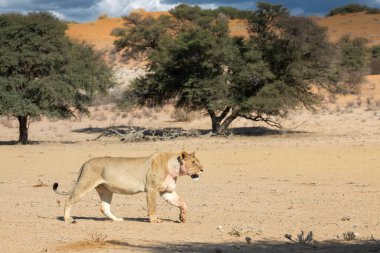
[320, 173]
[98, 33]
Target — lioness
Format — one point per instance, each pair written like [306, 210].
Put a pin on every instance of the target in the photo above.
[155, 175]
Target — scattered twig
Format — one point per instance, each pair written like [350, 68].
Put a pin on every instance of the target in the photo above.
[132, 134]
[40, 184]
[98, 237]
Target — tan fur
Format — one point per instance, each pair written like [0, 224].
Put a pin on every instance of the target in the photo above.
[156, 175]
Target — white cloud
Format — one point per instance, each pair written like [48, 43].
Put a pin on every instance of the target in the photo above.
[122, 7]
[4, 3]
[297, 12]
[58, 15]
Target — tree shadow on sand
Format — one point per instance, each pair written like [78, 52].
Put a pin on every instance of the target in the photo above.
[242, 247]
[9, 143]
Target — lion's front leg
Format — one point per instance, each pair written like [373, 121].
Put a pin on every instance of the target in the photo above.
[174, 199]
[151, 198]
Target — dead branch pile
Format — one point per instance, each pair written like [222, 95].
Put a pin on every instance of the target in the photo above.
[137, 134]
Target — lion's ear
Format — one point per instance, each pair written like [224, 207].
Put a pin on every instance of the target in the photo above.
[184, 155]
[193, 154]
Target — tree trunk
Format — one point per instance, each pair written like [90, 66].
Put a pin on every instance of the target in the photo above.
[219, 127]
[215, 125]
[23, 129]
[226, 123]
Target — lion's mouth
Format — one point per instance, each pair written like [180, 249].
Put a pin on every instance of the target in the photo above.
[194, 176]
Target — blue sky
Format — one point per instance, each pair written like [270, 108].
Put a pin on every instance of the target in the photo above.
[87, 10]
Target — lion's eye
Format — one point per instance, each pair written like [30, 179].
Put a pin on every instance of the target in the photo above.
[193, 162]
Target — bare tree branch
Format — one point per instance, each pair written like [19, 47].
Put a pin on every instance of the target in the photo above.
[259, 117]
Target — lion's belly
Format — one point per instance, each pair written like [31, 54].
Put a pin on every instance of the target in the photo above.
[123, 183]
[128, 190]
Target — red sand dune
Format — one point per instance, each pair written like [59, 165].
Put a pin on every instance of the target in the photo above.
[360, 24]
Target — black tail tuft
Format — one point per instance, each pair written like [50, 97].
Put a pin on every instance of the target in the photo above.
[55, 186]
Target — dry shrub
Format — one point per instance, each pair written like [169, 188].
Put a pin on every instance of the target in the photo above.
[301, 239]
[349, 236]
[350, 104]
[137, 114]
[6, 121]
[102, 16]
[147, 113]
[182, 115]
[100, 117]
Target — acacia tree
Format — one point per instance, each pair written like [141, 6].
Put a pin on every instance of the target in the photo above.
[353, 63]
[200, 66]
[42, 72]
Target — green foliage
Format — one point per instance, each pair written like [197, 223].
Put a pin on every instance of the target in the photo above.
[197, 15]
[233, 13]
[143, 34]
[199, 66]
[185, 68]
[353, 8]
[42, 72]
[353, 62]
[375, 52]
[375, 61]
[263, 21]
[373, 11]
[191, 13]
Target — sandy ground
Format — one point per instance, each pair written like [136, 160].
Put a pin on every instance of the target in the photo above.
[321, 175]
[354, 24]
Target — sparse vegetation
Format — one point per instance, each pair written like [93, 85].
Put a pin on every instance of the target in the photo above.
[301, 239]
[353, 8]
[375, 61]
[182, 115]
[6, 121]
[103, 16]
[248, 231]
[98, 237]
[353, 63]
[349, 236]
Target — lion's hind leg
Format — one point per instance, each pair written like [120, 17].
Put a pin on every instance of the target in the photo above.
[106, 197]
[79, 191]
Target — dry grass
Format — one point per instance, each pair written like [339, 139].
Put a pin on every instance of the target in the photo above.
[181, 115]
[7, 122]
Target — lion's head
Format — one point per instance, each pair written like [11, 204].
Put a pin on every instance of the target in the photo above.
[190, 165]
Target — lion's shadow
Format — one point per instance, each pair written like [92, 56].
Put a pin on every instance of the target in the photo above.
[137, 219]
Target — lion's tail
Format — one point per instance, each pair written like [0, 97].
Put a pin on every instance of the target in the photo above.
[55, 185]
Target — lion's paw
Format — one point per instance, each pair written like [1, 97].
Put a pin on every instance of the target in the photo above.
[154, 219]
[70, 220]
[182, 217]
